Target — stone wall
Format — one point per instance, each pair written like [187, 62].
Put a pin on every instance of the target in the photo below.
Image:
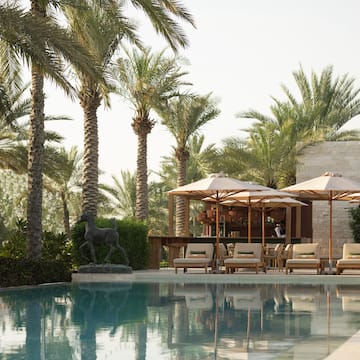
[339, 157]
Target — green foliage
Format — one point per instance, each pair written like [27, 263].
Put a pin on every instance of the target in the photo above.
[355, 223]
[132, 237]
[17, 272]
[54, 247]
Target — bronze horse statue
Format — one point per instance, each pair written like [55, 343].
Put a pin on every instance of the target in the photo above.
[94, 235]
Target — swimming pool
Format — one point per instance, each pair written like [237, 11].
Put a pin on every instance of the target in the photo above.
[177, 321]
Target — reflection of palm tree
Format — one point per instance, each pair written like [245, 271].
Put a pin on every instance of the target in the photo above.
[33, 330]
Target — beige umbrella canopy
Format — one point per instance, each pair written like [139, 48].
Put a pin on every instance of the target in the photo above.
[329, 186]
[219, 187]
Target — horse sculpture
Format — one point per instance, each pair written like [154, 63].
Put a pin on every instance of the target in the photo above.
[94, 235]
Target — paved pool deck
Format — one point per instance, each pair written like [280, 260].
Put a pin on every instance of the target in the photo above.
[243, 277]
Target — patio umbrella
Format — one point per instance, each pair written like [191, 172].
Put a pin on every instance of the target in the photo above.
[219, 187]
[329, 186]
[263, 203]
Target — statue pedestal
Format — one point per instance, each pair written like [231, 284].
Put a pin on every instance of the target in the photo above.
[105, 269]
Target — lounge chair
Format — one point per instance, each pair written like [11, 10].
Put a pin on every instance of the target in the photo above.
[246, 255]
[304, 256]
[197, 255]
[350, 258]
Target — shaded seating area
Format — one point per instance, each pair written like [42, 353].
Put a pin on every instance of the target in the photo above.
[246, 255]
[350, 258]
[196, 256]
[304, 256]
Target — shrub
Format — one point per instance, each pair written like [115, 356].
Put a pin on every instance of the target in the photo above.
[132, 237]
[17, 272]
[355, 223]
[54, 266]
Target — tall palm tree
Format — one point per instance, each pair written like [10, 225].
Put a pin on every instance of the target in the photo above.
[45, 45]
[145, 80]
[184, 116]
[98, 26]
[114, 27]
[202, 161]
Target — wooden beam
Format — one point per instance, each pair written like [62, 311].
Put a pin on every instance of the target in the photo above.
[171, 215]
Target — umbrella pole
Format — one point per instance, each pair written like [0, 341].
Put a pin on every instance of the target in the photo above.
[330, 232]
[263, 226]
[249, 223]
[217, 237]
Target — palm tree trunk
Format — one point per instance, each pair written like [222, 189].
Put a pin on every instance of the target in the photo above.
[90, 101]
[181, 159]
[66, 216]
[35, 156]
[141, 178]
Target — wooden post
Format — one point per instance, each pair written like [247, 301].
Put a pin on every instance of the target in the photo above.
[171, 215]
[155, 252]
[187, 216]
[298, 222]
[288, 225]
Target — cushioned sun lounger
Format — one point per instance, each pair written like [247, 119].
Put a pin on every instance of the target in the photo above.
[246, 255]
[304, 256]
[350, 258]
[197, 255]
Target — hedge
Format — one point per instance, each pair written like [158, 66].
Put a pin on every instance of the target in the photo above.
[132, 237]
[17, 272]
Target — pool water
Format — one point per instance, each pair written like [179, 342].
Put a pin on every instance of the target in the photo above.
[176, 321]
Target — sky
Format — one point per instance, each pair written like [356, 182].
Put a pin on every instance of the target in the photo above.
[241, 51]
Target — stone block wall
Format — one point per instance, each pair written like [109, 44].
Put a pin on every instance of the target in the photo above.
[339, 157]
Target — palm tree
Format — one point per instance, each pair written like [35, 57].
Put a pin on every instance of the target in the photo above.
[324, 107]
[123, 194]
[45, 46]
[184, 116]
[66, 181]
[98, 26]
[146, 80]
[201, 162]
[103, 44]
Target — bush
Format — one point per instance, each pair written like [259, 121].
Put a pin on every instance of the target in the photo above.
[17, 272]
[54, 246]
[132, 237]
[55, 264]
[355, 223]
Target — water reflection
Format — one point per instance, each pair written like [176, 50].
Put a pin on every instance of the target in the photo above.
[182, 321]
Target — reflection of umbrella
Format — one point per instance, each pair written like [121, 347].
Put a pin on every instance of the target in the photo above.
[328, 186]
[219, 187]
[254, 198]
